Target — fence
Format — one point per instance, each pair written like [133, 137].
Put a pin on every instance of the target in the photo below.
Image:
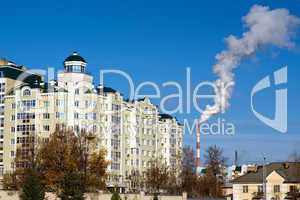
[14, 195]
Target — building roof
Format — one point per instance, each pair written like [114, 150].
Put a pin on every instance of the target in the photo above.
[109, 90]
[166, 116]
[105, 90]
[75, 57]
[290, 171]
[17, 73]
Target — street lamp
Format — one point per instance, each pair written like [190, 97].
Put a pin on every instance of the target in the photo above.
[264, 179]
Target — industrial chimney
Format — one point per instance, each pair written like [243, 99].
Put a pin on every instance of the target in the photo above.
[198, 161]
[235, 158]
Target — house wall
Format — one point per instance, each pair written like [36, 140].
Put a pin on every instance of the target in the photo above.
[252, 188]
[238, 193]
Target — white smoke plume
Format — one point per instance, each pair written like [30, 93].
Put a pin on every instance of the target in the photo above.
[266, 28]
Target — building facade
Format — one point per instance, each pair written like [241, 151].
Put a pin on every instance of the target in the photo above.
[282, 182]
[132, 132]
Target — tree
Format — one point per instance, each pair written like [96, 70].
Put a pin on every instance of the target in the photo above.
[72, 186]
[188, 161]
[155, 197]
[9, 181]
[188, 174]
[173, 183]
[214, 159]
[214, 176]
[156, 175]
[32, 188]
[136, 181]
[293, 195]
[25, 163]
[68, 164]
[67, 152]
[115, 195]
[96, 171]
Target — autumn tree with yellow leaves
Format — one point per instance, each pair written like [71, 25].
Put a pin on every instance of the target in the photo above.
[65, 154]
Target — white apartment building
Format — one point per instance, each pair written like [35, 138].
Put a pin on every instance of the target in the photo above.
[132, 132]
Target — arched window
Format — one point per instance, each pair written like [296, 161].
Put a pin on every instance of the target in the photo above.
[26, 92]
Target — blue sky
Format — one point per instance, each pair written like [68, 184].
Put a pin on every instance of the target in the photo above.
[156, 41]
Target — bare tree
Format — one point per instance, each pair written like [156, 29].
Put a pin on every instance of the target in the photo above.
[215, 163]
[156, 176]
[188, 173]
[215, 160]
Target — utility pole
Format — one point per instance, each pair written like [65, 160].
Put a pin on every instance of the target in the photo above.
[264, 180]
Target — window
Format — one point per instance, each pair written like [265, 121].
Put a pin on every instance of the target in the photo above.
[46, 127]
[26, 104]
[115, 166]
[245, 189]
[77, 91]
[25, 128]
[76, 103]
[12, 141]
[59, 102]
[12, 154]
[293, 188]
[1, 98]
[26, 92]
[94, 129]
[46, 115]
[276, 188]
[46, 104]
[59, 115]
[25, 116]
[2, 122]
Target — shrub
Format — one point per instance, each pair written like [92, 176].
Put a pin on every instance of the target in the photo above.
[32, 188]
[115, 195]
[72, 187]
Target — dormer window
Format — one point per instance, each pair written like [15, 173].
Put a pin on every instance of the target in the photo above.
[26, 92]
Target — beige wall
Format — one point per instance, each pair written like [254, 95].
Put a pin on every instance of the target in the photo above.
[273, 179]
[238, 193]
[13, 195]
